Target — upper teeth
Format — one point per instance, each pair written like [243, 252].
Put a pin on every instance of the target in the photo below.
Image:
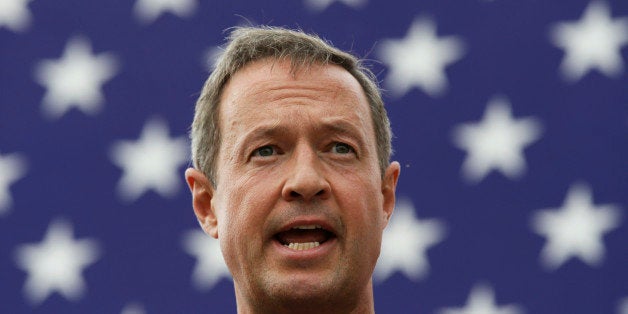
[302, 246]
[308, 227]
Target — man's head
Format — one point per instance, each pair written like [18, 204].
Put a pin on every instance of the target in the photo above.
[247, 45]
[292, 143]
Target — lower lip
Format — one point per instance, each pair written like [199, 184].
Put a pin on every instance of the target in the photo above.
[305, 255]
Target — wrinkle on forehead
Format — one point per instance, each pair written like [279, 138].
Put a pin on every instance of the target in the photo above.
[248, 90]
[268, 94]
[271, 90]
[312, 77]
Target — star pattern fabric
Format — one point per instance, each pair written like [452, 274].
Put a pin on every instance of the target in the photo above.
[592, 43]
[482, 301]
[576, 229]
[81, 84]
[75, 80]
[496, 143]
[14, 14]
[210, 266]
[405, 243]
[12, 169]
[147, 11]
[56, 264]
[150, 163]
[420, 59]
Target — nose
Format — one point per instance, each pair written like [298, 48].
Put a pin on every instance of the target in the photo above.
[306, 180]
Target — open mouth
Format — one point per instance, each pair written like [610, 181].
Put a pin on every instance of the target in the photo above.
[304, 237]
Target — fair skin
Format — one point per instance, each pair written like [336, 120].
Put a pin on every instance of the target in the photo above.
[298, 151]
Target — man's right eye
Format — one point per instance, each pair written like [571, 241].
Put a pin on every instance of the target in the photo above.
[264, 151]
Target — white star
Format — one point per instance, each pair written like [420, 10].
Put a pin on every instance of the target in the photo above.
[14, 14]
[622, 308]
[594, 42]
[320, 5]
[12, 168]
[420, 59]
[482, 301]
[75, 80]
[210, 266]
[211, 57]
[133, 308]
[151, 162]
[576, 229]
[147, 11]
[56, 263]
[497, 142]
[405, 243]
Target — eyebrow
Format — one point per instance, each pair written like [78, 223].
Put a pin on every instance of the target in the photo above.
[333, 126]
[259, 132]
[340, 126]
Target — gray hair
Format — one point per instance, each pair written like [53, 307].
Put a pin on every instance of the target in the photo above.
[248, 44]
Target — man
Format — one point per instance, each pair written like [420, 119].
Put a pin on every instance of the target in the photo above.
[291, 147]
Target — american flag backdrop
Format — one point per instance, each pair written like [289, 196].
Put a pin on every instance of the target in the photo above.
[510, 122]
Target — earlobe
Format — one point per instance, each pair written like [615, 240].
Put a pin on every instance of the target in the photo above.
[202, 194]
[389, 186]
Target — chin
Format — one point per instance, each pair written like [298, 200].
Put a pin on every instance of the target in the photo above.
[306, 285]
[303, 288]
[307, 292]
[313, 291]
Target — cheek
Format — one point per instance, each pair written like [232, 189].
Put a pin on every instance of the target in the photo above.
[237, 234]
[363, 217]
[245, 205]
[360, 199]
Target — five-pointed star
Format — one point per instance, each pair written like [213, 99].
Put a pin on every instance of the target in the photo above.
[75, 80]
[210, 266]
[481, 300]
[320, 5]
[576, 229]
[594, 42]
[133, 308]
[12, 168]
[211, 57]
[420, 59]
[497, 142]
[622, 308]
[405, 243]
[14, 14]
[147, 11]
[151, 162]
[56, 263]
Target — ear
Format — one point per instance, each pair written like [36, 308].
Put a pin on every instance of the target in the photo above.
[389, 186]
[202, 194]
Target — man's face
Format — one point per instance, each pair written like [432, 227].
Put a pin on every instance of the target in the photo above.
[300, 204]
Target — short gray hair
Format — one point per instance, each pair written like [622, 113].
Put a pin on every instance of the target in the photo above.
[248, 44]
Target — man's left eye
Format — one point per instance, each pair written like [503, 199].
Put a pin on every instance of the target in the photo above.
[342, 148]
[264, 151]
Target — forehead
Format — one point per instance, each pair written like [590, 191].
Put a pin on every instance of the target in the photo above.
[261, 88]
